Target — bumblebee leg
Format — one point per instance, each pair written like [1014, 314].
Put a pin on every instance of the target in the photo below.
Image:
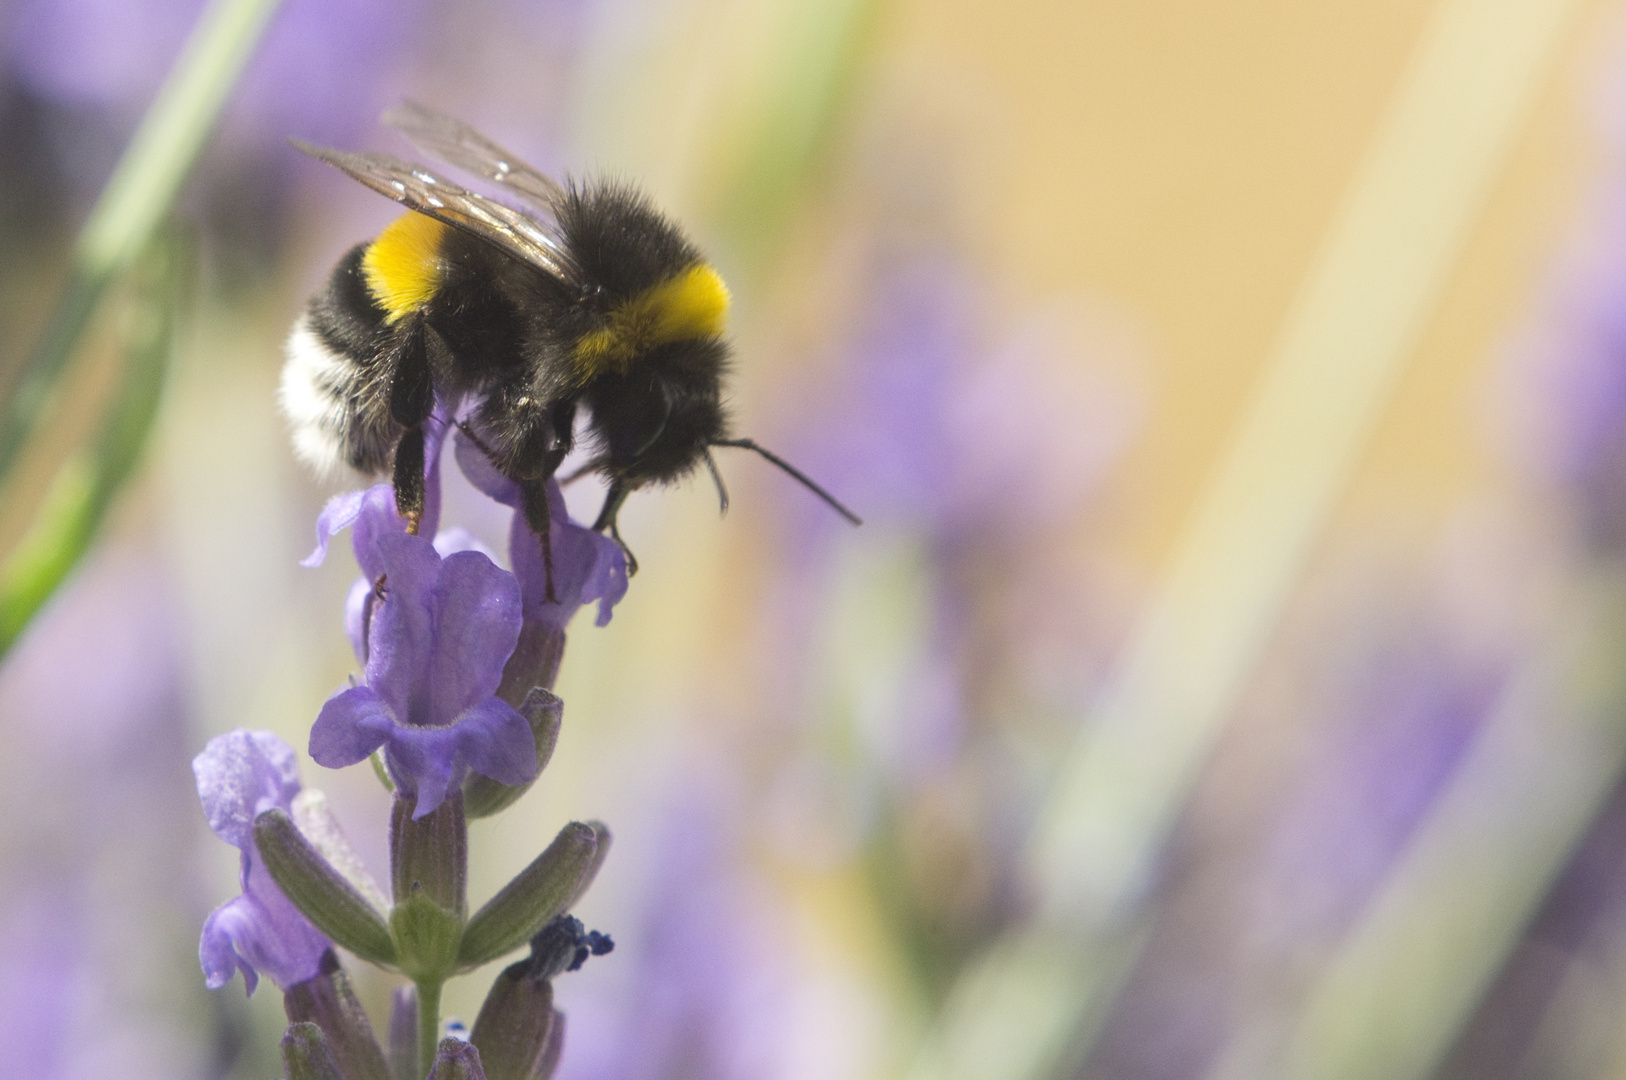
[408, 478]
[540, 518]
[606, 520]
[412, 396]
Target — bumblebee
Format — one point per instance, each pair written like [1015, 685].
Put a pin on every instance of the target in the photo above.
[591, 299]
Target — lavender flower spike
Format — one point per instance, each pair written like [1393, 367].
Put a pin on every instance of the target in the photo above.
[436, 647]
[240, 775]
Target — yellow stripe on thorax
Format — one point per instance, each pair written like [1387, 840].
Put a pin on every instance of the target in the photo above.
[403, 265]
[691, 304]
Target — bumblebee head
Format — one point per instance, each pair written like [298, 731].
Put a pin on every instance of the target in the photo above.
[655, 420]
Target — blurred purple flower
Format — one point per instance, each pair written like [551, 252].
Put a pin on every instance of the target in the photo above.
[97, 819]
[315, 72]
[587, 566]
[1278, 853]
[964, 433]
[706, 980]
[1563, 409]
[241, 775]
[436, 646]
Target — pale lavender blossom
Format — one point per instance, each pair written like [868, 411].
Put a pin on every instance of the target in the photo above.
[240, 776]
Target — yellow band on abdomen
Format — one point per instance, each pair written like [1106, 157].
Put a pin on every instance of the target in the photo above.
[403, 265]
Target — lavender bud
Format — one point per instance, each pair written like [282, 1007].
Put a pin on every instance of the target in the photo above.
[328, 1002]
[542, 890]
[457, 1060]
[329, 901]
[515, 1023]
[305, 1054]
[548, 1063]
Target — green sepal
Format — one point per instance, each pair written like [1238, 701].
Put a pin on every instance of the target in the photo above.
[483, 796]
[547, 887]
[329, 901]
[305, 1055]
[426, 938]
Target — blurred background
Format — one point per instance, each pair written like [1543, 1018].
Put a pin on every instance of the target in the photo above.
[1226, 682]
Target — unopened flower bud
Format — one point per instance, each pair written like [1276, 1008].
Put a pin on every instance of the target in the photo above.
[328, 1002]
[542, 890]
[457, 1060]
[305, 1054]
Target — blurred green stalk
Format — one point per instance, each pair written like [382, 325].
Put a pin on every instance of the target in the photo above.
[826, 45]
[121, 226]
[86, 484]
[138, 195]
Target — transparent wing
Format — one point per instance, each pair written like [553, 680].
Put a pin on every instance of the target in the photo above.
[413, 186]
[455, 143]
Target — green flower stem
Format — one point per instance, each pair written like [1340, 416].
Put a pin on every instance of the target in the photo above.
[86, 484]
[428, 1024]
[137, 196]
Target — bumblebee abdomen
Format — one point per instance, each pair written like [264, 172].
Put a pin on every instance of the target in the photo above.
[334, 381]
[403, 266]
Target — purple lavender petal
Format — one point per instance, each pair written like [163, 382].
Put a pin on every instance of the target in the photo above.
[435, 431]
[351, 725]
[587, 566]
[401, 642]
[339, 514]
[372, 510]
[479, 470]
[376, 520]
[437, 647]
[240, 775]
[260, 931]
[477, 614]
[497, 742]
[491, 738]
[358, 614]
[451, 541]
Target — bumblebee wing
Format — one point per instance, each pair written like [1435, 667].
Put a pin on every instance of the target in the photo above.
[413, 186]
[455, 143]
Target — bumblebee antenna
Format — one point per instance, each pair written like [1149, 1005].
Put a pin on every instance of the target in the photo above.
[797, 474]
[717, 478]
